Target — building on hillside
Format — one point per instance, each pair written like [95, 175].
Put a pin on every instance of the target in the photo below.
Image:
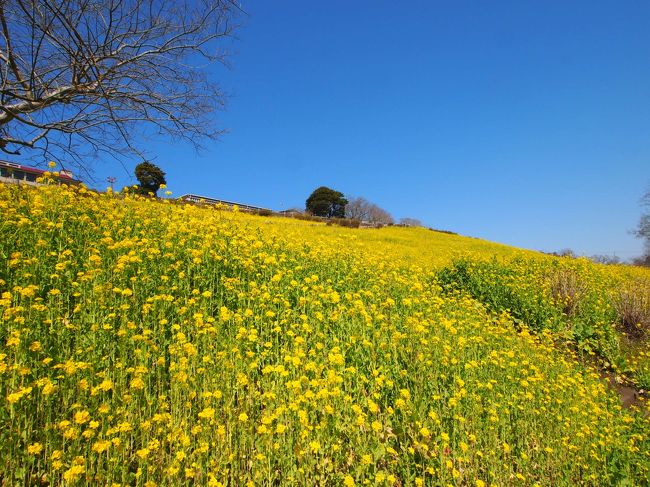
[11, 172]
[193, 198]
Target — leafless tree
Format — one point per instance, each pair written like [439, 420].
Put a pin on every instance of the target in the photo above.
[357, 209]
[642, 261]
[379, 215]
[643, 230]
[410, 222]
[363, 210]
[605, 259]
[80, 77]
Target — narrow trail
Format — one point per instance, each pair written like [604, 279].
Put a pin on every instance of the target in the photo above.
[629, 395]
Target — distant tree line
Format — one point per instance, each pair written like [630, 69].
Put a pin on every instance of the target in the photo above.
[329, 203]
[605, 259]
[642, 231]
[410, 222]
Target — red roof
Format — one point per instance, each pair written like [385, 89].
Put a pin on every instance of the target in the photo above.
[33, 170]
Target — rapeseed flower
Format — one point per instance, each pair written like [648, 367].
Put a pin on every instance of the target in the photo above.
[196, 345]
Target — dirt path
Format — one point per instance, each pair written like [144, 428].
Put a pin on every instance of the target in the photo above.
[629, 395]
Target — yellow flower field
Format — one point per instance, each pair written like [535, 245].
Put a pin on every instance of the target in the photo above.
[147, 342]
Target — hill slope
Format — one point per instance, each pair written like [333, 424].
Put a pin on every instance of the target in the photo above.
[150, 343]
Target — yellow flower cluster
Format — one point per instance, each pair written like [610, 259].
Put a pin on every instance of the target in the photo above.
[154, 343]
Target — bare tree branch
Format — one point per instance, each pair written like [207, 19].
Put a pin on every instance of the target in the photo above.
[87, 76]
[365, 211]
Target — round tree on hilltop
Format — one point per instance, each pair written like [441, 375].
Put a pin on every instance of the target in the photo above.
[151, 177]
[326, 202]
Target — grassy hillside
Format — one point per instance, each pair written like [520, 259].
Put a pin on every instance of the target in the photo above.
[152, 343]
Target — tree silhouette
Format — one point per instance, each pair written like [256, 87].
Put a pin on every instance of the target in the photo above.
[326, 202]
[151, 177]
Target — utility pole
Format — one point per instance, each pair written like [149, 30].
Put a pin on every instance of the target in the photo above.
[111, 180]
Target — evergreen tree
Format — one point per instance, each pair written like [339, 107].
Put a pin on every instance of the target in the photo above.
[326, 202]
[151, 177]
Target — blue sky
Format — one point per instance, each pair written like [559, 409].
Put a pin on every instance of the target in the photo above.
[526, 123]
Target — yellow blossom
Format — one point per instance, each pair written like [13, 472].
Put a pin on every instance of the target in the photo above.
[35, 448]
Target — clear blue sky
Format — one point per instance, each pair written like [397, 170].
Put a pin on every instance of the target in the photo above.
[522, 122]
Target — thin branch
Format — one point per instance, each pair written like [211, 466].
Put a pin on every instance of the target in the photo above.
[101, 72]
